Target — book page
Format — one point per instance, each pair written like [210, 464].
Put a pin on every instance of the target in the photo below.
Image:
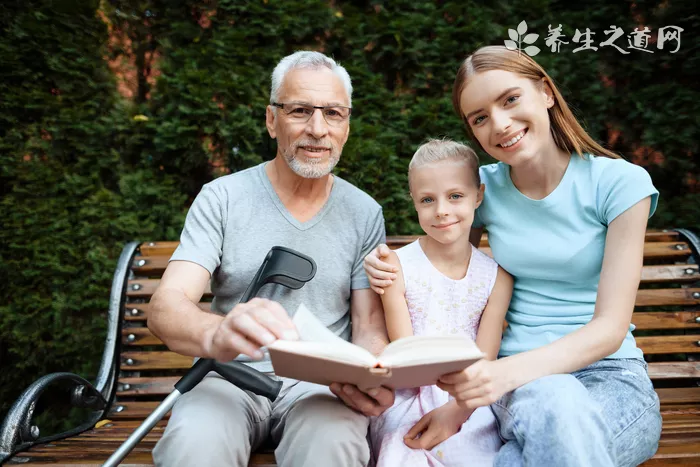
[416, 350]
[311, 329]
[318, 341]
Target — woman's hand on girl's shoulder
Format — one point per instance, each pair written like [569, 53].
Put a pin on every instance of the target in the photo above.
[379, 268]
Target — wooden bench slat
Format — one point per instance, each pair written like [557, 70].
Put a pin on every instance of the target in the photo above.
[670, 370]
[138, 311]
[142, 336]
[666, 320]
[139, 336]
[131, 410]
[155, 266]
[651, 345]
[168, 248]
[661, 236]
[170, 360]
[642, 320]
[156, 360]
[144, 288]
[669, 396]
[676, 273]
[653, 320]
[672, 400]
[161, 385]
[662, 297]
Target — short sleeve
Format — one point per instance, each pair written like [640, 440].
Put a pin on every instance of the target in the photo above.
[375, 236]
[622, 185]
[202, 237]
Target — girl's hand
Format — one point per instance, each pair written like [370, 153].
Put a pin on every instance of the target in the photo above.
[482, 384]
[436, 426]
[380, 273]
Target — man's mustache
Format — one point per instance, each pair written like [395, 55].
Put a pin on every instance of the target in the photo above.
[312, 143]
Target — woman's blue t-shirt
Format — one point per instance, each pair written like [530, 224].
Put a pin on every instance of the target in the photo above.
[553, 247]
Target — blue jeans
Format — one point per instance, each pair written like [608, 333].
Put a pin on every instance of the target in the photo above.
[606, 414]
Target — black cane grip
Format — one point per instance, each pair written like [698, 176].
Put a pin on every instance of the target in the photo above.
[249, 379]
[195, 375]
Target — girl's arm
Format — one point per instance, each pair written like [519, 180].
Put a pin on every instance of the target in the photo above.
[398, 321]
[488, 338]
[481, 385]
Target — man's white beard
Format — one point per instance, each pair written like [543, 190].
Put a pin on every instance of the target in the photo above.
[312, 168]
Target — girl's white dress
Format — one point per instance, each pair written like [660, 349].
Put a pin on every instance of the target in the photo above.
[438, 305]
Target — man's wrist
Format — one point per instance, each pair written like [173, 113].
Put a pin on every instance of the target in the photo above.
[207, 336]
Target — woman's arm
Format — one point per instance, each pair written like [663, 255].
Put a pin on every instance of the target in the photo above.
[621, 271]
[398, 321]
[488, 338]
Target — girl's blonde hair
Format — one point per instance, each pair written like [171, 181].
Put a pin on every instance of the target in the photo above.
[438, 150]
[568, 134]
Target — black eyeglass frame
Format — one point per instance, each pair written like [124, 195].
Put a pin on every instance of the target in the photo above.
[280, 105]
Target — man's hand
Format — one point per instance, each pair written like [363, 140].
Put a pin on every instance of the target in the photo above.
[436, 426]
[248, 327]
[372, 403]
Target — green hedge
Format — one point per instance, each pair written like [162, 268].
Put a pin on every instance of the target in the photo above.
[80, 176]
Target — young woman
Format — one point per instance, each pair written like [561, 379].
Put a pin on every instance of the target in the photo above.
[566, 218]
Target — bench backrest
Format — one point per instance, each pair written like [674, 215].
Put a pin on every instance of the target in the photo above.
[667, 320]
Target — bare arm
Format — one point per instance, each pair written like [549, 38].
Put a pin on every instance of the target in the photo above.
[368, 327]
[368, 331]
[488, 338]
[175, 318]
[398, 321]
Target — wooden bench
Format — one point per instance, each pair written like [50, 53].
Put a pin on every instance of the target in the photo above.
[138, 371]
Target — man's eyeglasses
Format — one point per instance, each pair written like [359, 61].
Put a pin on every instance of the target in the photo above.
[335, 115]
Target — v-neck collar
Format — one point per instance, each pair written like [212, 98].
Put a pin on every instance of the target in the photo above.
[285, 212]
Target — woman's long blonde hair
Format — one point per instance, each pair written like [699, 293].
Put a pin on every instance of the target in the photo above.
[568, 134]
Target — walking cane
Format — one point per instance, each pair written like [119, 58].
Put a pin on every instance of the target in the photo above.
[281, 266]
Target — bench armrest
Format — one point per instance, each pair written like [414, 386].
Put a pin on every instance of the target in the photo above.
[17, 432]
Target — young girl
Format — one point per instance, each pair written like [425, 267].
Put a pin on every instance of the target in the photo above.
[566, 218]
[444, 286]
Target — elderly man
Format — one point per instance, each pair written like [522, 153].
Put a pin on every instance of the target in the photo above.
[293, 201]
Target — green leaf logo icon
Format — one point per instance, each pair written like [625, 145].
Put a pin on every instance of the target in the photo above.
[518, 38]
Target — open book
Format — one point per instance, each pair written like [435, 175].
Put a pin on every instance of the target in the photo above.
[322, 357]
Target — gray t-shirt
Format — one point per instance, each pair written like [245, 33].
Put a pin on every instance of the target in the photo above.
[236, 219]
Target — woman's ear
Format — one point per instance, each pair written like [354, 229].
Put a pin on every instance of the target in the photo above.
[549, 98]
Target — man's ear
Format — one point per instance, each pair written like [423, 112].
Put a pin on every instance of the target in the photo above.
[270, 120]
[480, 195]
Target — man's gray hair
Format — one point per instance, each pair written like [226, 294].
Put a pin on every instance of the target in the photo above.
[309, 60]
